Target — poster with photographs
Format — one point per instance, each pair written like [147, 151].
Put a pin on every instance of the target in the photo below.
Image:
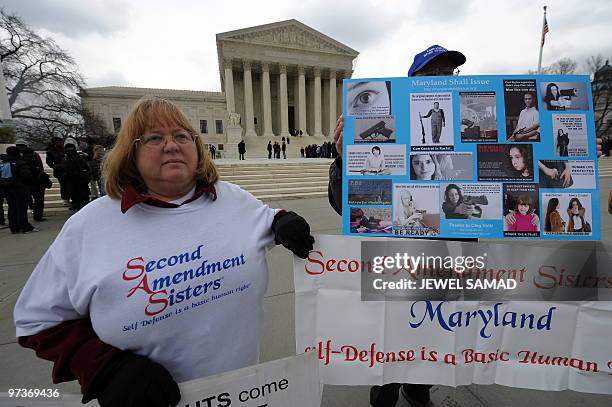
[564, 96]
[478, 117]
[522, 115]
[374, 130]
[475, 201]
[369, 192]
[570, 135]
[376, 159]
[426, 166]
[521, 209]
[566, 174]
[505, 162]
[371, 98]
[370, 220]
[416, 210]
[431, 122]
[567, 214]
[468, 156]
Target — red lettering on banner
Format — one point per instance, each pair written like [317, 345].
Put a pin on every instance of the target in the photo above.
[316, 261]
[317, 264]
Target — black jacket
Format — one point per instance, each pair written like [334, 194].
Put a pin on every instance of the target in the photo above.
[21, 171]
[56, 160]
[334, 188]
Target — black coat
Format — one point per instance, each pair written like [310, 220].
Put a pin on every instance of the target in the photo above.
[56, 160]
[21, 171]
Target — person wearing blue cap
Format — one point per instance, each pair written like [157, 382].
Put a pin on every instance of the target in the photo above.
[434, 61]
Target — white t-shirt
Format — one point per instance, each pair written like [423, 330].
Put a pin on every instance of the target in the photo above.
[528, 117]
[183, 286]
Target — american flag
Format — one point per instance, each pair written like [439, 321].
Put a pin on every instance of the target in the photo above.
[544, 29]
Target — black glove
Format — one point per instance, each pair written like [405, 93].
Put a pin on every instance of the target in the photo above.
[130, 380]
[293, 232]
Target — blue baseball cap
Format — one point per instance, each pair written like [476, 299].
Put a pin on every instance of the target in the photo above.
[423, 58]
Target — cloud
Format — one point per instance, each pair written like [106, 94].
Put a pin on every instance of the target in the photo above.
[159, 44]
[355, 27]
[110, 78]
[567, 19]
[443, 10]
[72, 18]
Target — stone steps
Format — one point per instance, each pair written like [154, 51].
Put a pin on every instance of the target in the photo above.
[266, 180]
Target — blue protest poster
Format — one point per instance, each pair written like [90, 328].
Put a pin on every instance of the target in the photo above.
[508, 156]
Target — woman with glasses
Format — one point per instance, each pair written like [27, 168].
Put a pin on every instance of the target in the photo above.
[162, 280]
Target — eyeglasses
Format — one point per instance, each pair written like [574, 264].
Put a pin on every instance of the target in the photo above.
[155, 139]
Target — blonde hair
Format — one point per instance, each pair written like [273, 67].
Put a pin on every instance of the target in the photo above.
[120, 168]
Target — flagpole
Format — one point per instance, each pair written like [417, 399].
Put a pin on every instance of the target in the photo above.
[542, 43]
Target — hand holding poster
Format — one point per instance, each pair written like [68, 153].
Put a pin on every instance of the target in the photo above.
[292, 381]
[505, 133]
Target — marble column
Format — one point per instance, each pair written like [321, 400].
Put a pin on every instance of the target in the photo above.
[229, 87]
[284, 103]
[302, 100]
[266, 100]
[317, 102]
[332, 102]
[248, 101]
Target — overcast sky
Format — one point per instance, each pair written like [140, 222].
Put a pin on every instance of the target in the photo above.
[165, 44]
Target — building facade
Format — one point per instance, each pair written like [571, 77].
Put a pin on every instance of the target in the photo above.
[274, 78]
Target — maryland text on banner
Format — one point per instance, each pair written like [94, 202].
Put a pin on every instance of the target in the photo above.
[542, 344]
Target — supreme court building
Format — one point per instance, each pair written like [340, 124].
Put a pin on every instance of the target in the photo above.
[274, 78]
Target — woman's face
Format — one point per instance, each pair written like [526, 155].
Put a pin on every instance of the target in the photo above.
[423, 166]
[370, 97]
[554, 90]
[170, 163]
[518, 162]
[523, 208]
[407, 203]
[575, 208]
[376, 152]
[453, 196]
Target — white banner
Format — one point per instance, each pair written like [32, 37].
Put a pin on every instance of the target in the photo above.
[537, 345]
[293, 381]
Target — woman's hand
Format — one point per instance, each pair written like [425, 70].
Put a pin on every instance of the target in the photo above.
[464, 209]
[134, 380]
[566, 176]
[293, 232]
[417, 216]
[550, 172]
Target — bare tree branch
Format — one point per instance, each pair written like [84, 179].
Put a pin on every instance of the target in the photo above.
[42, 81]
